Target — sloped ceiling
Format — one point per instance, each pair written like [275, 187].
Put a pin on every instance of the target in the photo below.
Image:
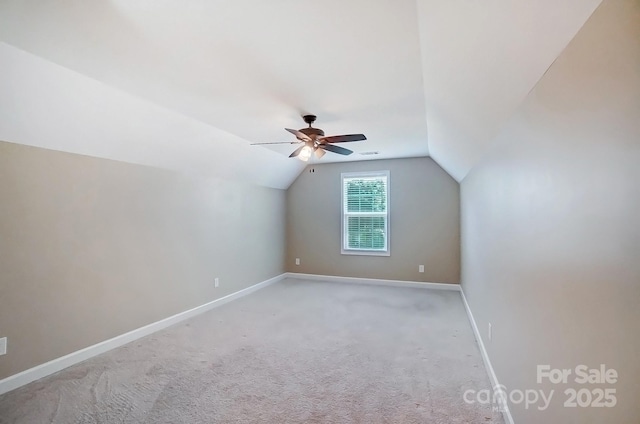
[479, 60]
[46, 105]
[189, 85]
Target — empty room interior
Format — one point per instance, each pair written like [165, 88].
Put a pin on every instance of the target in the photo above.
[408, 211]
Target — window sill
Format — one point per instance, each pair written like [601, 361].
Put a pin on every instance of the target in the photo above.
[366, 252]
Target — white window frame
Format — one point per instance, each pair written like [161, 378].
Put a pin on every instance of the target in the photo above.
[364, 252]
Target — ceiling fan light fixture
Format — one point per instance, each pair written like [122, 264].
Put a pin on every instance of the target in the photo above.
[305, 153]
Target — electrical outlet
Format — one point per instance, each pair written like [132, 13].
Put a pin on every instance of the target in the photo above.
[420, 268]
[3, 346]
[297, 261]
[490, 332]
[216, 282]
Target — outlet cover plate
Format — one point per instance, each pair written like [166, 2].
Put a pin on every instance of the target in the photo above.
[3, 346]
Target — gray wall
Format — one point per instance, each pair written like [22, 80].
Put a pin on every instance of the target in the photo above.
[424, 223]
[550, 224]
[92, 248]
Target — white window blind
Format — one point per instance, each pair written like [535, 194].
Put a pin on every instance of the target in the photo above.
[365, 213]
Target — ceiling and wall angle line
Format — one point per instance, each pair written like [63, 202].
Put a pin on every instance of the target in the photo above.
[190, 87]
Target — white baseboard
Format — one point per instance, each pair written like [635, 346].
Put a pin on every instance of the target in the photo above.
[374, 281]
[58, 364]
[485, 357]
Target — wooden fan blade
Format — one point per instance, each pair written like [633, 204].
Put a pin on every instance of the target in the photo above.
[342, 138]
[276, 142]
[335, 149]
[299, 135]
[320, 152]
[297, 151]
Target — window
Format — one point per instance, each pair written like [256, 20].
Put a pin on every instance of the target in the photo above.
[365, 213]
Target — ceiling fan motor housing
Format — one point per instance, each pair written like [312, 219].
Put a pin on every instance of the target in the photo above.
[313, 133]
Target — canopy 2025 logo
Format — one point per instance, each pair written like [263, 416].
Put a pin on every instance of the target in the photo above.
[583, 397]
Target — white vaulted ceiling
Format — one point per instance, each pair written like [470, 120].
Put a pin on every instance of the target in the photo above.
[480, 59]
[189, 85]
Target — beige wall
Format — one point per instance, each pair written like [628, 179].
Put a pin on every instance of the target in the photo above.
[424, 223]
[550, 224]
[92, 248]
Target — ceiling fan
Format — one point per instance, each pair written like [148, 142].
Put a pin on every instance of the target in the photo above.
[316, 142]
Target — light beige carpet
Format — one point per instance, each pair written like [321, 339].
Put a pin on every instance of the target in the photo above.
[295, 352]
